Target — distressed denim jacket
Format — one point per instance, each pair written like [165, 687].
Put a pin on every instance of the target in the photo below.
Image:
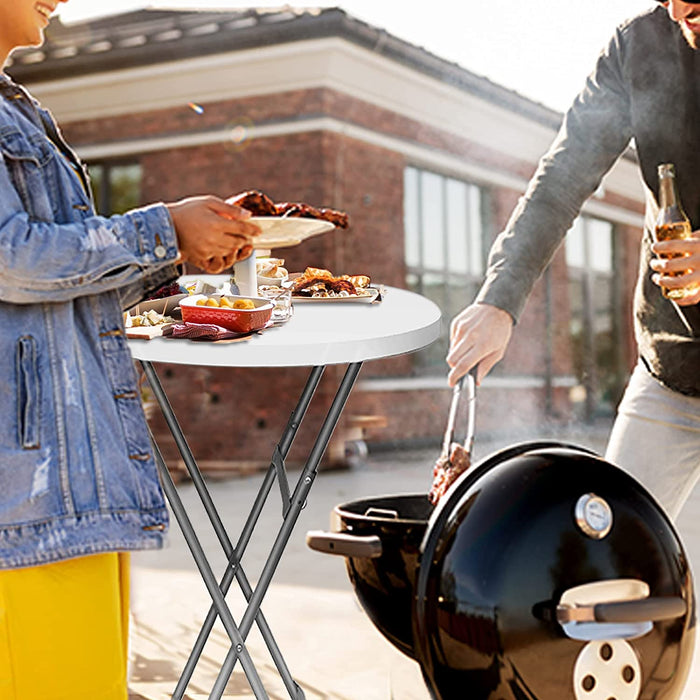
[77, 473]
[645, 88]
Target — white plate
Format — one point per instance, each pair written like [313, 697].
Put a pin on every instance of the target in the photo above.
[361, 299]
[281, 232]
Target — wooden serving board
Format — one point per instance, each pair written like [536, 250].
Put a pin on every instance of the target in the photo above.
[144, 332]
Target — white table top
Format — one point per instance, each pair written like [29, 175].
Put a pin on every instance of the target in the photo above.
[318, 334]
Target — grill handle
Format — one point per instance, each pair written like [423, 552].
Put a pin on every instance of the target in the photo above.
[344, 544]
[627, 611]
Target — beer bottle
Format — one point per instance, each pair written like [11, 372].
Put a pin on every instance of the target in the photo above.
[672, 222]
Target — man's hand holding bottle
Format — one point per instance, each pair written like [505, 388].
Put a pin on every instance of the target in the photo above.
[677, 267]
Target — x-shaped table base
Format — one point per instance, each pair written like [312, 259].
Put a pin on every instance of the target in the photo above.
[292, 504]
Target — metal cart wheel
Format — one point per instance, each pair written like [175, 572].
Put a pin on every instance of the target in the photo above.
[356, 453]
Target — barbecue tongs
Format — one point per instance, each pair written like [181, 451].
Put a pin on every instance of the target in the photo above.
[470, 380]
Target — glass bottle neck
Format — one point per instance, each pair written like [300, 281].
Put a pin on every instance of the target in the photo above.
[668, 192]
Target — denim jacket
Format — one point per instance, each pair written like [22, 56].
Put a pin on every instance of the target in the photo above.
[645, 88]
[77, 472]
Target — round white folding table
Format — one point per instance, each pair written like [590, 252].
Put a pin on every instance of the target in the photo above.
[318, 334]
[325, 332]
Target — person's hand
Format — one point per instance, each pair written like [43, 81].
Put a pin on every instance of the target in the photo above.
[212, 234]
[214, 265]
[479, 335]
[680, 272]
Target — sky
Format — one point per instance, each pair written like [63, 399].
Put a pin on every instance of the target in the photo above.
[543, 49]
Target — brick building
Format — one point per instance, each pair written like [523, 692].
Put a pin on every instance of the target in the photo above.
[428, 160]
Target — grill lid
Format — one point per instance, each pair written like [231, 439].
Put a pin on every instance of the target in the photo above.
[537, 557]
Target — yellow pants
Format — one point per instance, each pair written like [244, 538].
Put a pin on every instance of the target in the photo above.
[64, 630]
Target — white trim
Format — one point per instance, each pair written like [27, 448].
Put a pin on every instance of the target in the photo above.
[439, 383]
[419, 155]
[416, 154]
[613, 213]
[332, 63]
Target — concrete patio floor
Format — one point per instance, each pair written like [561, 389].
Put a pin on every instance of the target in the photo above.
[332, 649]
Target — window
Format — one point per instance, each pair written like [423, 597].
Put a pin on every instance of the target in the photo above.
[594, 330]
[444, 247]
[115, 186]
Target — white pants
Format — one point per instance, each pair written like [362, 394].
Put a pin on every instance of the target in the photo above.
[656, 438]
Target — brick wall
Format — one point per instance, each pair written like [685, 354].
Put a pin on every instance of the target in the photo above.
[235, 417]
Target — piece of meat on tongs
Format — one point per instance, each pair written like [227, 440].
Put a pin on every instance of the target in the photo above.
[455, 458]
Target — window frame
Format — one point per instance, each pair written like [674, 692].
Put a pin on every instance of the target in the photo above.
[588, 276]
[104, 199]
[452, 290]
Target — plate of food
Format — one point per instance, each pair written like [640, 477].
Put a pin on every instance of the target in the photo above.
[320, 285]
[286, 224]
[366, 296]
[147, 319]
[280, 232]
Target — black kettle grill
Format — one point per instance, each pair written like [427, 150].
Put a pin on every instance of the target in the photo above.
[544, 573]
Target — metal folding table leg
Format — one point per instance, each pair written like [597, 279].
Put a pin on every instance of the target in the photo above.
[234, 556]
[208, 576]
[298, 501]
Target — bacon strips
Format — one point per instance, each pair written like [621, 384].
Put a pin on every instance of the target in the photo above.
[317, 282]
[259, 204]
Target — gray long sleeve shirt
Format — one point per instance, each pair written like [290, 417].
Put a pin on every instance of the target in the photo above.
[645, 87]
